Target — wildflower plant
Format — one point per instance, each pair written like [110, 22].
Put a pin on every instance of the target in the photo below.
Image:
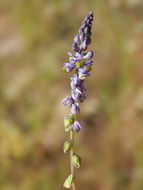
[81, 62]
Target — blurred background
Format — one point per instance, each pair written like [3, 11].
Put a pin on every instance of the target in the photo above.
[35, 36]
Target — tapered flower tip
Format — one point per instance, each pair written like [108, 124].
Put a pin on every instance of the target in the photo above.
[89, 55]
[67, 101]
[75, 109]
[75, 47]
[76, 126]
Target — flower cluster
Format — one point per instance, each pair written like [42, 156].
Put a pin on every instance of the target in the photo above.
[81, 62]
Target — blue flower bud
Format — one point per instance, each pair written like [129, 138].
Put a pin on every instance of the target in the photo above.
[86, 63]
[74, 81]
[87, 29]
[76, 93]
[83, 74]
[88, 41]
[84, 45]
[81, 30]
[68, 67]
[82, 36]
[75, 109]
[82, 85]
[76, 39]
[75, 47]
[84, 24]
[67, 101]
[76, 126]
[89, 55]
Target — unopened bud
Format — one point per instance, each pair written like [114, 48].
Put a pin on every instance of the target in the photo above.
[68, 182]
[67, 146]
[76, 161]
[68, 121]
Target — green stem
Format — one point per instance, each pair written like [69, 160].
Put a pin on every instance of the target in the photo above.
[71, 155]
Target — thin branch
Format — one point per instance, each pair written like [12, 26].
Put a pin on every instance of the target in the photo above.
[71, 155]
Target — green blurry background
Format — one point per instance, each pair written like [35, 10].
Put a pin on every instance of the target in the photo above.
[34, 38]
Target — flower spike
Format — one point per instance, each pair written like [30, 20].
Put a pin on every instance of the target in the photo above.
[81, 62]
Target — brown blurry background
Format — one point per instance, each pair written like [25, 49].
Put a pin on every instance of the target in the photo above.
[34, 38]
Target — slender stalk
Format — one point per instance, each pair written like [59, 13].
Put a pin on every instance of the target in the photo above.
[71, 155]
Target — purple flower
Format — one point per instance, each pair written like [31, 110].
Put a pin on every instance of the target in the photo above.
[83, 73]
[87, 63]
[81, 30]
[76, 126]
[74, 59]
[75, 47]
[74, 81]
[75, 109]
[68, 67]
[81, 86]
[67, 102]
[78, 56]
[78, 95]
[89, 55]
